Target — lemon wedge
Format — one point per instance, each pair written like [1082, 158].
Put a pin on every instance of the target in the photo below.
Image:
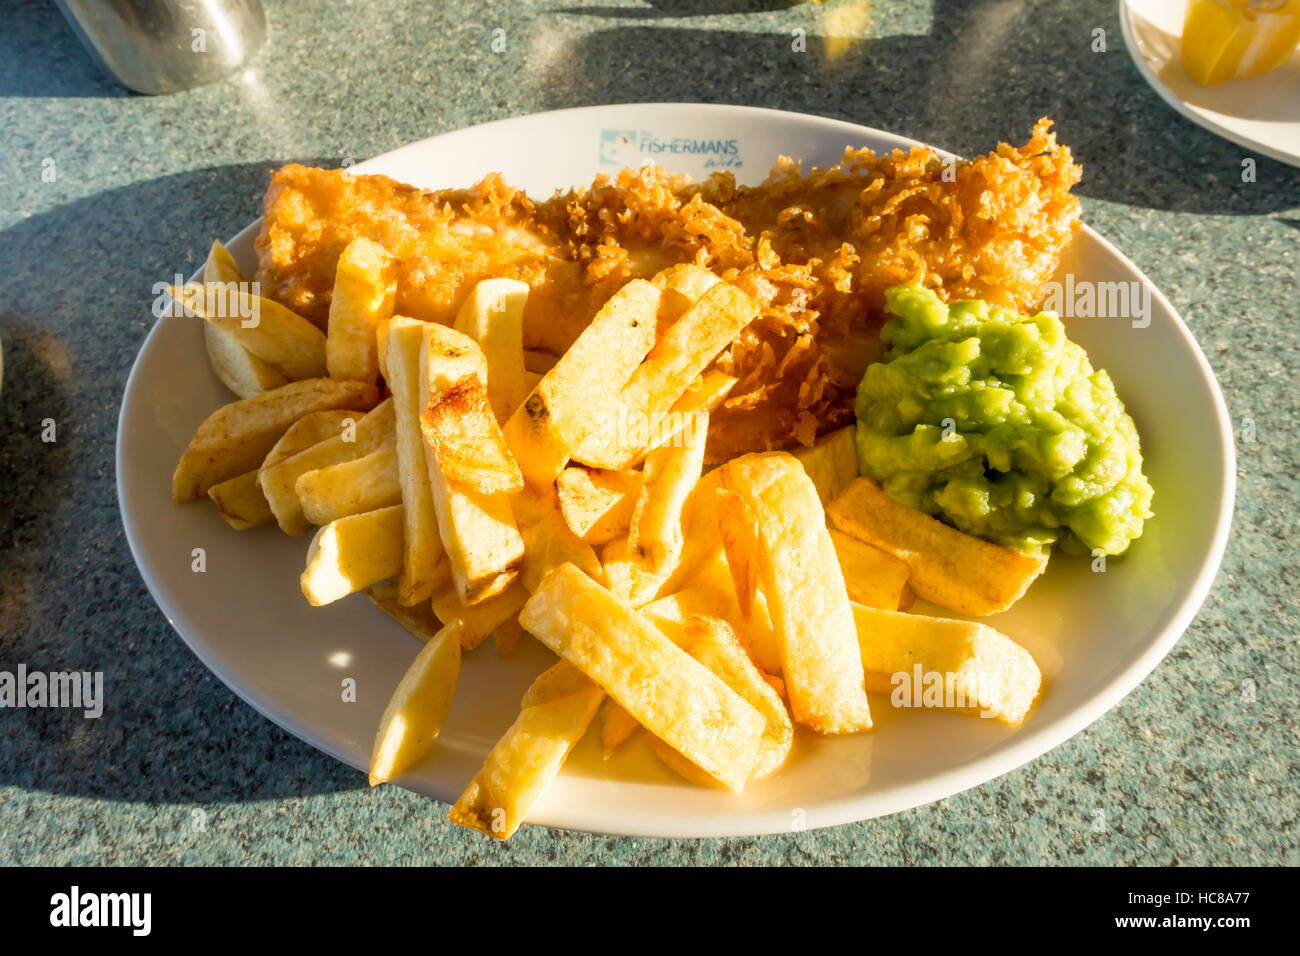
[1235, 39]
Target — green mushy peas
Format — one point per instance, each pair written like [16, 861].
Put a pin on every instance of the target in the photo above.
[997, 423]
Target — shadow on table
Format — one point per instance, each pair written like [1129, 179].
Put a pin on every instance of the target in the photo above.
[73, 312]
[57, 65]
[987, 70]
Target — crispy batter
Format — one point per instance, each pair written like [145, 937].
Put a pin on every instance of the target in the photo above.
[446, 242]
[815, 250]
[847, 233]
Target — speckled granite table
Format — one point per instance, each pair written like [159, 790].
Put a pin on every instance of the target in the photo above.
[1187, 768]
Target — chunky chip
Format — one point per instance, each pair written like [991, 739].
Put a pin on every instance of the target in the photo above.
[477, 621]
[831, 463]
[555, 713]
[671, 472]
[418, 620]
[579, 394]
[471, 472]
[806, 597]
[712, 642]
[946, 567]
[344, 439]
[711, 593]
[425, 563]
[960, 665]
[350, 487]
[493, 316]
[351, 554]
[365, 286]
[548, 541]
[682, 284]
[464, 438]
[616, 727]
[508, 636]
[418, 708]
[872, 577]
[626, 576]
[669, 693]
[236, 437]
[705, 394]
[238, 369]
[241, 502]
[708, 326]
[597, 505]
[265, 328]
[240, 499]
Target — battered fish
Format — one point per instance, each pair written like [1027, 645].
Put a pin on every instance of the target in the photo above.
[816, 250]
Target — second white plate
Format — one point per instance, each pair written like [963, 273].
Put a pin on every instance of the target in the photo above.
[1262, 113]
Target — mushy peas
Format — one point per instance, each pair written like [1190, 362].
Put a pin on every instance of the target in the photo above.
[997, 423]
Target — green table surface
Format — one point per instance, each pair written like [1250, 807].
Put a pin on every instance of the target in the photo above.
[1189, 768]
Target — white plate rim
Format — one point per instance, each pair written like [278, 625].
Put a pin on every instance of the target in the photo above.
[847, 808]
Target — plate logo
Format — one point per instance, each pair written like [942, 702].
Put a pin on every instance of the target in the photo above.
[618, 147]
[630, 147]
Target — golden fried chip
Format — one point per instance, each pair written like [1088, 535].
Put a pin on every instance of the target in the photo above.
[713, 642]
[265, 328]
[806, 597]
[831, 463]
[641, 411]
[669, 693]
[466, 441]
[241, 501]
[471, 472]
[350, 487]
[616, 727]
[425, 563]
[341, 439]
[555, 714]
[236, 437]
[477, 621]
[417, 709]
[872, 577]
[947, 568]
[493, 316]
[711, 593]
[365, 286]
[548, 541]
[671, 472]
[238, 369]
[417, 620]
[351, 554]
[958, 665]
[597, 505]
[507, 638]
[626, 576]
[579, 394]
[704, 395]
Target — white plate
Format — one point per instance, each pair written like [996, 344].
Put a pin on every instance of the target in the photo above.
[1095, 635]
[1262, 113]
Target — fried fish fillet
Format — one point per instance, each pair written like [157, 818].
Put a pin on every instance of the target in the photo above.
[445, 242]
[991, 228]
[815, 250]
